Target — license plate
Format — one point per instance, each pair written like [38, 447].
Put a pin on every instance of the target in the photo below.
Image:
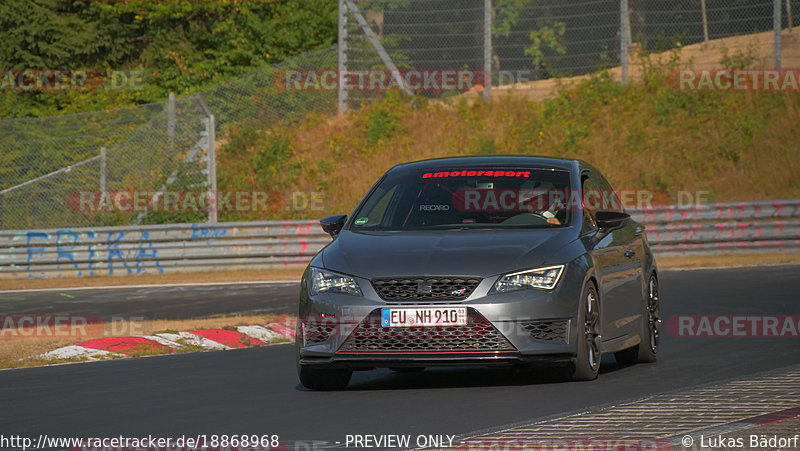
[422, 317]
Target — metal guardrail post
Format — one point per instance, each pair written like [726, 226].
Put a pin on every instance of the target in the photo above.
[342, 47]
[103, 168]
[487, 50]
[212, 170]
[624, 32]
[776, 26]
[171, 121]
[705, 20]
[212, 157]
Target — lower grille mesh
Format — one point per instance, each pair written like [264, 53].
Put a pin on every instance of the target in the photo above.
[316, 332]
[478, 335]
[555, 331]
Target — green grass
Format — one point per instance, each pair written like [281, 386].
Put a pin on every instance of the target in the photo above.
[737, 146]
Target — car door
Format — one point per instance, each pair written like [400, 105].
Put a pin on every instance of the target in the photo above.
[608, 252]
[627, 239]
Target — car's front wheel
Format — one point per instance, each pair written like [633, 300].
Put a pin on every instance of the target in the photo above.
[324, 378]
[587, 360]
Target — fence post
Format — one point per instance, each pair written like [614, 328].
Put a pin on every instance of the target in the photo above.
[212, 168]
[789, 14]
[487, 50]
[103, 168]
[624, 31]
[705, 20]
[171, 120]
[776, 26]
[342, 40]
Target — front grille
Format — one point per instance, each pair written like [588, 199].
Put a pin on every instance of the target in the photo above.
[425, 288]
[547, 330]
[478, 335]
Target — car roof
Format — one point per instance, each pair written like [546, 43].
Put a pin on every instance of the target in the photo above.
[499, 160]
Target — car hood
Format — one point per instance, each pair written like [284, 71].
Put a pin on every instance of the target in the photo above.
[445, 253]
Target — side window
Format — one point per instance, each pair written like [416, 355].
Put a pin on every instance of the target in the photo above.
[610, 200]
[591, 200]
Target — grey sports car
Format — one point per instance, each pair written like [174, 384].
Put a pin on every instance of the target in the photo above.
[479, 261]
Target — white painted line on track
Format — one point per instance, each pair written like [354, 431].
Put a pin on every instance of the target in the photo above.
[159, 285]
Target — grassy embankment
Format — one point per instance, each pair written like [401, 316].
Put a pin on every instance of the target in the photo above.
[738, 146]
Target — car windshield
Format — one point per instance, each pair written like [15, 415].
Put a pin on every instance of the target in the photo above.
[457, 198]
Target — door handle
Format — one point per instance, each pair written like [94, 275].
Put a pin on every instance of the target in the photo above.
[630, 253]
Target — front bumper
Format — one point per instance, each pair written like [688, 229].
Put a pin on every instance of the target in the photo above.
[521, 327]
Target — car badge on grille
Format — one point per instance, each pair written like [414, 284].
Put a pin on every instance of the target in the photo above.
[459, 292]
[424, 288]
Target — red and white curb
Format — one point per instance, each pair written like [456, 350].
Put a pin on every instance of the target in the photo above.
[165, 343]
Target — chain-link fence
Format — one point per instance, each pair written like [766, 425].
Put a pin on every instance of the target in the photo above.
[54, 172]
[112, 167]
[519, 41]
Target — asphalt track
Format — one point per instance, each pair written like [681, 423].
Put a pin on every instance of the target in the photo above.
[171, 302]
[255, 391]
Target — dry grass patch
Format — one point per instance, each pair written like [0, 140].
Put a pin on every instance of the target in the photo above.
[710, 261]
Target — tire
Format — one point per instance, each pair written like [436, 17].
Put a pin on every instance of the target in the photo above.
[319, 378]
[649, 334]
[587, 359]
[407, 369]
[324, 378]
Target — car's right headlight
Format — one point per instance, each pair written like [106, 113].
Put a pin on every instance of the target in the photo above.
[542, 278]
[324, 281]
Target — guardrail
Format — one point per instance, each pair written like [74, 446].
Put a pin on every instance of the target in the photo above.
[158, 248]
[753, 226]
[725, 227]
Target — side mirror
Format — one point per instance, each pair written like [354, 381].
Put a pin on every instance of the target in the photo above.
[332, 225]
[611, 219]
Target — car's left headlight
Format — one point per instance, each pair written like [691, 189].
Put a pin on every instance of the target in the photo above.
[543, 278]
[324, 281]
